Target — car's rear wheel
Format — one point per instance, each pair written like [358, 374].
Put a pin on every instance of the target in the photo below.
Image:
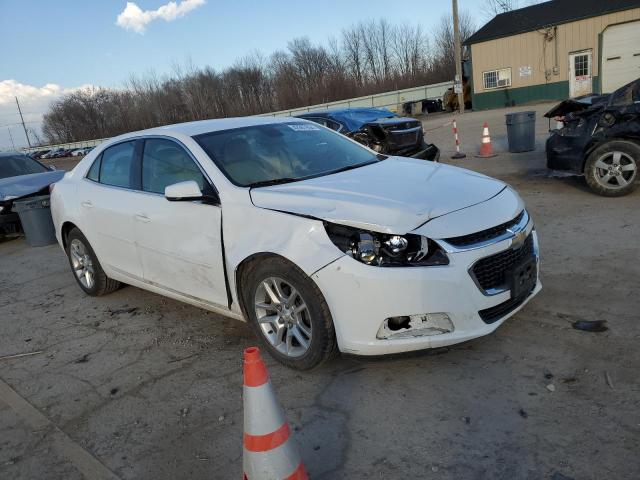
[85, 266]
[289, 314]
[612, 168]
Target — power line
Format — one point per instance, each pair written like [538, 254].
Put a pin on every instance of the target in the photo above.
[19, 123]
[11, 137]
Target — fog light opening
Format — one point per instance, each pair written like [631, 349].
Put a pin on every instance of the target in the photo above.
[428, 324]
[398, 323]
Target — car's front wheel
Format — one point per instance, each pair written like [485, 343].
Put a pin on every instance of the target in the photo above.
[289, 313]
[85, 266]
[612, 168]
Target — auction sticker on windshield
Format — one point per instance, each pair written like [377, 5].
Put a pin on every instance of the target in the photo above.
[302, 127]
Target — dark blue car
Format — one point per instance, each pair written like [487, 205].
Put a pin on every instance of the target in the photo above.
[21, 176]
[378, 129]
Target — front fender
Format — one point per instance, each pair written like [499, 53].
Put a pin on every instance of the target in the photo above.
[250, 230]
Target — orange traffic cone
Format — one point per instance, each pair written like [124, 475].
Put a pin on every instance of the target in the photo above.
[269, 452]
[486, 151]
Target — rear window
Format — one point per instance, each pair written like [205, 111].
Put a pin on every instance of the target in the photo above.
[16, 165]
[115, 168]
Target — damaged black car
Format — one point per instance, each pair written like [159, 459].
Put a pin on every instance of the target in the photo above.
[379, 129]
[600, 138]
[21, 176]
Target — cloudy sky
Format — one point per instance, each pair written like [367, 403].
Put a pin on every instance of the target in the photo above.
[58, 46]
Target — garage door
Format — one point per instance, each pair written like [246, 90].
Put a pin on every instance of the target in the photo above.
[620, 55]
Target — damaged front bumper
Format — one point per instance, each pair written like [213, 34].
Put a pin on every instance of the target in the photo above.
[9, 223]
[565, 152]
[442, 305]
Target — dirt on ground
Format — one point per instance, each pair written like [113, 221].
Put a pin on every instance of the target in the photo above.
[138, 386]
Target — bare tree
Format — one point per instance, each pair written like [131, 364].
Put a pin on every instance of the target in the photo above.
[491, 8]
[369, 57]
[444, 43]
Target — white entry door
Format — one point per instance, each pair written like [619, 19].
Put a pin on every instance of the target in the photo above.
[580, 73]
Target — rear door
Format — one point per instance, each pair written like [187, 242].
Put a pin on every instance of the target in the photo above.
[107, 195]
[180, 242]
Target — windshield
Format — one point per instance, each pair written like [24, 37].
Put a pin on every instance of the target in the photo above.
[16, 165]
[282, 152]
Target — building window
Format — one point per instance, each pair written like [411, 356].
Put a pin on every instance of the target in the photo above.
[497, 78]
[581, 65]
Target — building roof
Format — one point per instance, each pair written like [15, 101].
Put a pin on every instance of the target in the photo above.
[542, 15]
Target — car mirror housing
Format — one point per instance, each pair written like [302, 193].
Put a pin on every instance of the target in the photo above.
[183, 191]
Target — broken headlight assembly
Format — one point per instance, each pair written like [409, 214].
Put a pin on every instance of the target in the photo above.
[386, 250]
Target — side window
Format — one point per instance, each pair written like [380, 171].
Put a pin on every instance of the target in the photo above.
[115, 168]
[164, 163]
[94, 171]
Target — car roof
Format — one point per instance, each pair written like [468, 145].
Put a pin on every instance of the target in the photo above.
[206, 126]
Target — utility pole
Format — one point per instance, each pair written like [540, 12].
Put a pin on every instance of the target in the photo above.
[457, 87]
[11, 137]
[23, 126]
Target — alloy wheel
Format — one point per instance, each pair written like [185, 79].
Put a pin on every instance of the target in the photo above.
[82, 263]
[615, 170]
[283, 316]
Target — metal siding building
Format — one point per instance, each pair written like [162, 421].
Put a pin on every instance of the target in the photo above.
[553, 50]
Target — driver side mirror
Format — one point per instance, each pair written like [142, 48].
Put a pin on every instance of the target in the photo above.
[188, 191]
[183, 191]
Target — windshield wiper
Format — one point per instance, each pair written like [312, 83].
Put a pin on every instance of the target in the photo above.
[273, 181]
[351, 167]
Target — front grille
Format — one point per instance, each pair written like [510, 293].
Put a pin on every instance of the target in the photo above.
[490, 315]
[484, 235]
[490, 272]
[402, 126]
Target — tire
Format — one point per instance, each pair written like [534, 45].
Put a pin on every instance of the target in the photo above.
[611, 170]
[82, 258]
[312, 324]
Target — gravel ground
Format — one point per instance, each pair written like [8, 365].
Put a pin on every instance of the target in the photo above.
[135, 385]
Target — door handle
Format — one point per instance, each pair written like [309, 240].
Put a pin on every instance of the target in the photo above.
[141, 217]
[87, 204]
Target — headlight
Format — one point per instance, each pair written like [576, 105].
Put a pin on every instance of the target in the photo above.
[385, 250]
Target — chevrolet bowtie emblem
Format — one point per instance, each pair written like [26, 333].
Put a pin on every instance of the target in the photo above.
[519, 236]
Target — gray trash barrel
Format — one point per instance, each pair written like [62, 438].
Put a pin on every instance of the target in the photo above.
[35, 217]
[521, 131]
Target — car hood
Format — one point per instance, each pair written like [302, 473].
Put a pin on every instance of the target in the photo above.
[396, 195]
[23, 185]
[577, 105]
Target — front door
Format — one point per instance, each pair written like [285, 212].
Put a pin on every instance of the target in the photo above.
[180, 243]
[580, 73]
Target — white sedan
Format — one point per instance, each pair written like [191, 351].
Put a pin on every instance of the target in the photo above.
[318, 242]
